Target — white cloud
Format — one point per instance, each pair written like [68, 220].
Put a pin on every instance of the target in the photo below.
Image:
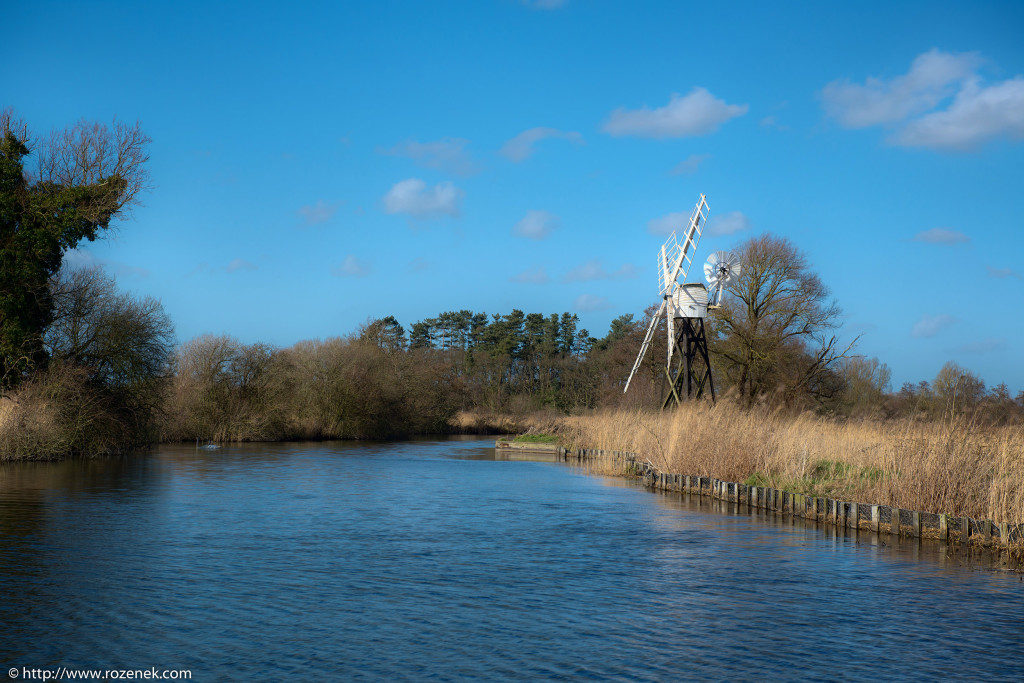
[83, 258]
[977, 115]
[983, 346]
[590, 302]
[698, 113]
[413, 197]
[728, 223]
[689, 165]
[203, 267]
[351, 267]
[314, 214]
[932, 77]
[931, 325]
[447, 154]
[536, 225]
[240, 264]
[521, 146]
[667, 223]
[1003, 272]
[531, 276]
[594, 270]
[941, 236]
[544, 4]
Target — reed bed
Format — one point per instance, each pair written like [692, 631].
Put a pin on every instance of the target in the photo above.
[956, 467]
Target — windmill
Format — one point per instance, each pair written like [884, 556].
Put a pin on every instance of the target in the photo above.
[722, 266]
[685, 306]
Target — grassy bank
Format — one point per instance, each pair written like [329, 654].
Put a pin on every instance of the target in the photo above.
[955, 467]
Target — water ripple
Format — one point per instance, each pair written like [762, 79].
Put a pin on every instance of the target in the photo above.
[428, 561]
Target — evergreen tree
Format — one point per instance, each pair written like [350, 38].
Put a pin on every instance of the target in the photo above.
[76, 192]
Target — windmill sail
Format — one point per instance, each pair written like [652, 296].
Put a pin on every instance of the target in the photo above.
[721, 268]
[674, 260]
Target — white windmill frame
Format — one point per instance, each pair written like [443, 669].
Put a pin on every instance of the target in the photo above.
[674, 261]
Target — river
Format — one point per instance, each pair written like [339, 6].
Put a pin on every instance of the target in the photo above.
[434, 560]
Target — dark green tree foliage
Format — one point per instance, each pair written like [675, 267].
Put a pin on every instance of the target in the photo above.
[84, 177]
[502, 356]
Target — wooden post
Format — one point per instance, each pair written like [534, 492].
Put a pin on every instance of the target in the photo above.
[854, 516]
[915, 524]
[876, 516]
[894, 522]
[944, 528]
[965, 530]
[986, 532]
[1004, 534]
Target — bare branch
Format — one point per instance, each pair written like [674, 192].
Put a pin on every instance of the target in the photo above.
[93, 154]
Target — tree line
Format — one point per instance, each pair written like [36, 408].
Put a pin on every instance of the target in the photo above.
[85, 368]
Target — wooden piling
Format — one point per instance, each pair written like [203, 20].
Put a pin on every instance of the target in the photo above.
[915, 523]
[854, 516]
[965, 530]
[894, 522]
[944, 528]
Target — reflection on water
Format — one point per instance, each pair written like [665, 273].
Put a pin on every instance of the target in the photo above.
[434, 559]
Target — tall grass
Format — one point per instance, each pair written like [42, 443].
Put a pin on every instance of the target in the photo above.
[957, 467]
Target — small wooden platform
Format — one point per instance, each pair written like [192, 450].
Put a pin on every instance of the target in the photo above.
[553, 448]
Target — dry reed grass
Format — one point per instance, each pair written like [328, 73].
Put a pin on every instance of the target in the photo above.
[956, 467]
[483, 422]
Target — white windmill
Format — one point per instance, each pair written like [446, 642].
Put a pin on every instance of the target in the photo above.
[674, 261]
[685, 306]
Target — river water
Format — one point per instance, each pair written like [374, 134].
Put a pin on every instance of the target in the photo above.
[432, 560]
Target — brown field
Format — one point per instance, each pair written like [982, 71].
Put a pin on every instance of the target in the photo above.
[955, 467]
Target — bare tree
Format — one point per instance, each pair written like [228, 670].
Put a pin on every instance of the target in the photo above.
[775, 331]
[124, 342]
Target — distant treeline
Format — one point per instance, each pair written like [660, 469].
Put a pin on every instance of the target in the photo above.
[115, 381]
[87, 369]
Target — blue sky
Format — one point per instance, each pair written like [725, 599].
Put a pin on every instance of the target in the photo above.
[319, 164]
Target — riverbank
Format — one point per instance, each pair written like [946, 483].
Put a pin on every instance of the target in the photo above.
[893, 523]
[957, 468]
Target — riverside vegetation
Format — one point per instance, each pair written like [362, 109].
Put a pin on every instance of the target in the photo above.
[88, 370]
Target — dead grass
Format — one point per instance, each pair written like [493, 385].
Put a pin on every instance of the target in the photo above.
[483, 422]
[956, 467]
